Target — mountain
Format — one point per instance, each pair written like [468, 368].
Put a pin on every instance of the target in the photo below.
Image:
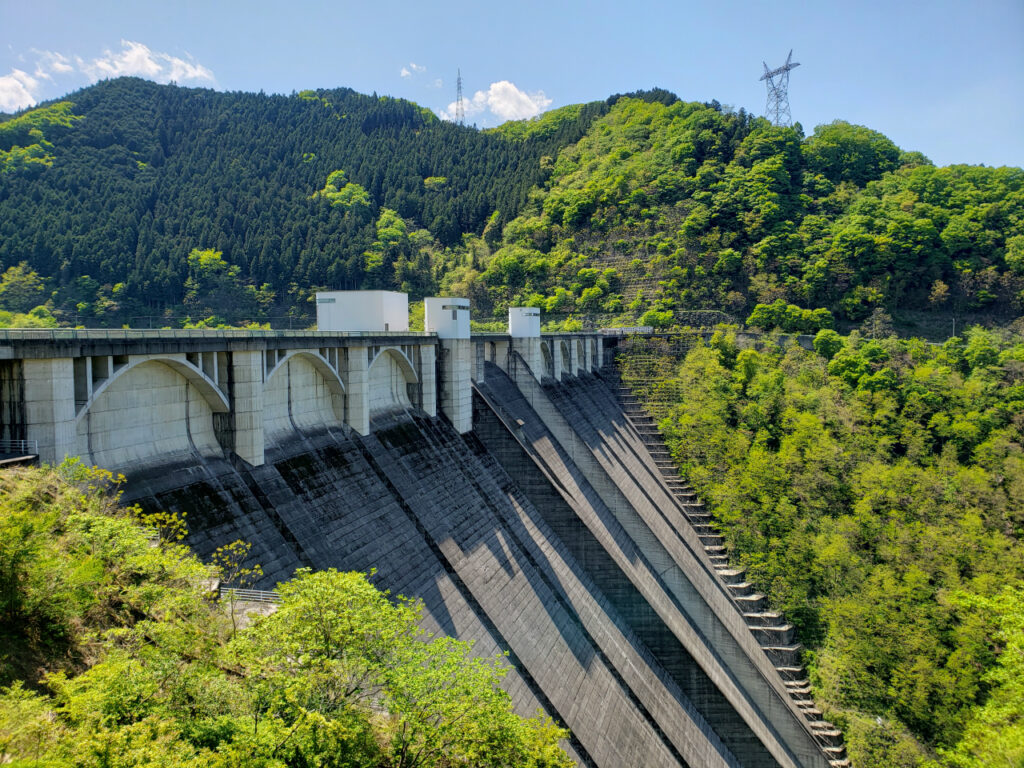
[106, 193]
[639, 207]
[687, 206]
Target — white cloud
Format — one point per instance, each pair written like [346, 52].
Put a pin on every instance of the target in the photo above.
[438, 82]
[412, 69]
[137, 59]
[50, 63]
[17, 90]
[504, 101]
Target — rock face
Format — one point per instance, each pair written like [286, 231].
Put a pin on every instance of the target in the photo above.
[548, 532]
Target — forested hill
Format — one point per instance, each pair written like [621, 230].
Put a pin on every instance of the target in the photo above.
[663, 208]
[130, 198]
[122, 180]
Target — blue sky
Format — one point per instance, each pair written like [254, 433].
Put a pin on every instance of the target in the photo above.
[945, 78]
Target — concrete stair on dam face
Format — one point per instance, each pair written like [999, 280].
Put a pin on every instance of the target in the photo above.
[800, 690]
[773, 633]
[602, 531]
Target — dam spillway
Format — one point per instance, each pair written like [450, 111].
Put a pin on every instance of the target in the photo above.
[495, 478]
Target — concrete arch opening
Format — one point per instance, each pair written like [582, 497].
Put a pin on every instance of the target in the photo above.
[151, 408]
[581, 357]
[302, 393]
[566, 366]
[214, 396]
[549, 363]
[390, 378]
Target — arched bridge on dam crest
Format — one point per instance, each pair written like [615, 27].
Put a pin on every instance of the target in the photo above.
[120, 398]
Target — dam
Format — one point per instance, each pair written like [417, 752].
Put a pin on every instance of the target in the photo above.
[504, 479]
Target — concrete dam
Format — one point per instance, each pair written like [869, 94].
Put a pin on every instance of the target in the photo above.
[506, 480]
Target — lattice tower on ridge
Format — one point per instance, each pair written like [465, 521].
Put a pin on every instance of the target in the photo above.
[777, 80]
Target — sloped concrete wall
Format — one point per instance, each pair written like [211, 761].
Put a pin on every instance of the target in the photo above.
[439, 519]
[147, 412]
[580, 438]
[623, 556]
[386, 385]
[510, 539]
[297, 397]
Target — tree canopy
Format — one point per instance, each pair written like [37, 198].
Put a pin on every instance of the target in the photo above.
[677, 205]
[874, 490]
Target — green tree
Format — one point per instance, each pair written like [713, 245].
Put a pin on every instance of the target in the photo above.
[215, 290]
[344, 194]
[21, 288]
[878, 324]
[994, 735]
[142, 668]
[336, 642]
[827, 342]
[843, 152]
[864, 487]
[657, 318]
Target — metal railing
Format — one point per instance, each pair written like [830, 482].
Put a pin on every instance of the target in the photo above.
[249, 595]
[124, 334]
[627, 331]
[20, 447]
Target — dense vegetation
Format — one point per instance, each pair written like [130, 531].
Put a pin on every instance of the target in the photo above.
[669, 207]
[638, 208]
[106, 194]
[874, 489]
[113, 654]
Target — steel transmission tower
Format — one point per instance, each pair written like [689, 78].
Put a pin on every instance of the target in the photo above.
[777, 81]
[460, 108]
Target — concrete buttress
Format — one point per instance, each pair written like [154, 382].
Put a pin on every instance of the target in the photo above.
[356, 365]
[50, 406]
[247, 381]
[456, 386]
[428, 379]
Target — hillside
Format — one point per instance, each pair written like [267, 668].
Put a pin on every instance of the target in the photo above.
[874, 489]
[106, 194]
[638, 205]
[681, 206]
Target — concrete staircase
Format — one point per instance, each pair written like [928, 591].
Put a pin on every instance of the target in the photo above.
[774, 634]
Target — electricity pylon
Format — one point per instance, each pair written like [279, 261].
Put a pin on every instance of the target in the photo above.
[777, 81]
